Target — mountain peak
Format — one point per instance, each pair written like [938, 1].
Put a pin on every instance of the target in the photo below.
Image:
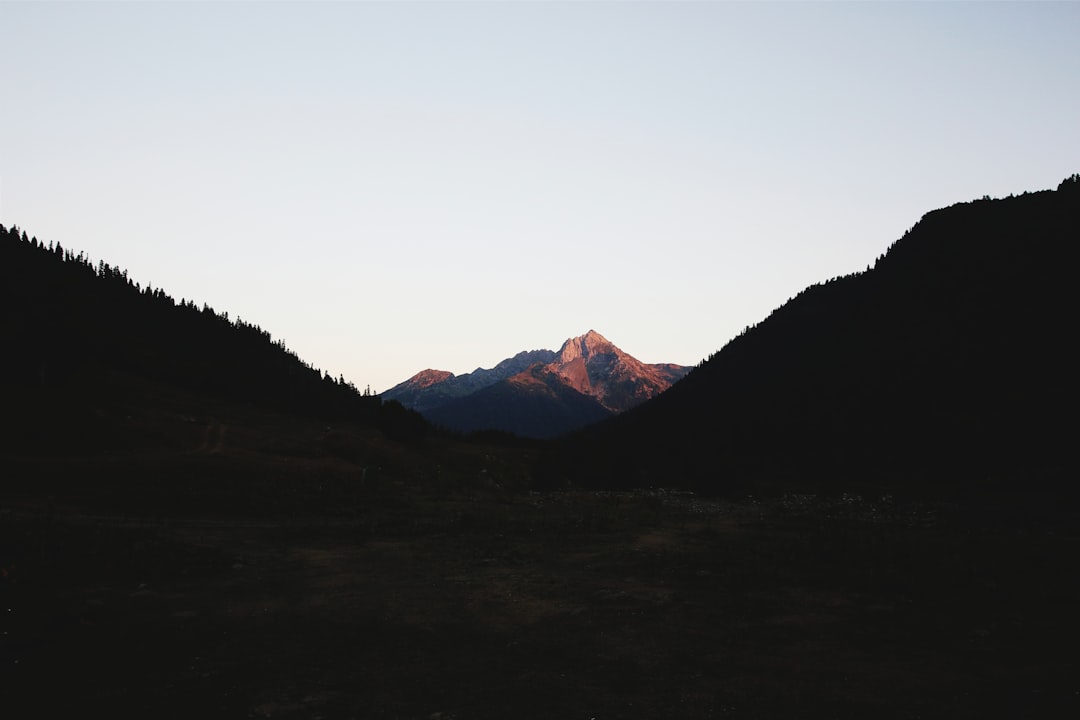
[429, 377]
[589, 365]
[586, 346]
[593, 365]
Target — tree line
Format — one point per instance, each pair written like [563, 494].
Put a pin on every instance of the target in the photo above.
[68, 320]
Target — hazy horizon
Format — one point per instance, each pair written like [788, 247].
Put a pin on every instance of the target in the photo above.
[394, 187]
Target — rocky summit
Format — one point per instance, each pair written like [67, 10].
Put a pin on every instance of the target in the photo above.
[594, 366]
[539, 393]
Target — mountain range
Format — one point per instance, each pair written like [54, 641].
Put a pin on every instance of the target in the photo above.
[947, 366]
[539, 393]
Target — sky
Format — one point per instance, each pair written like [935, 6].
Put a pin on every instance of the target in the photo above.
[389, 187]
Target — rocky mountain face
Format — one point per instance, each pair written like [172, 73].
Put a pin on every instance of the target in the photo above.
[429, 389]
[593, 366]
[539, 393]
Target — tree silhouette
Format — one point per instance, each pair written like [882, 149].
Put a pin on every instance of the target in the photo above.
[70, 322]
[945, 367]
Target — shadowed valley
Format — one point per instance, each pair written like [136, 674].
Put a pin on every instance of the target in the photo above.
[863, 506]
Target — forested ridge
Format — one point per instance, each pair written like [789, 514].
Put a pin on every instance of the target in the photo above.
[945, 366]
[69, 323]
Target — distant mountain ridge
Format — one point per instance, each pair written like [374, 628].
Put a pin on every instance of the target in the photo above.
[539, 393]
[429, 389]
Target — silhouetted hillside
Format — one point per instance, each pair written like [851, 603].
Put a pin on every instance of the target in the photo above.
[947, 366]
[70, 327]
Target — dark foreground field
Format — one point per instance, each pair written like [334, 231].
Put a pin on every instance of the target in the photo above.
[286, 572]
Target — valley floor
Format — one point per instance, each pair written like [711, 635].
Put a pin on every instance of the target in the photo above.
[494, 604]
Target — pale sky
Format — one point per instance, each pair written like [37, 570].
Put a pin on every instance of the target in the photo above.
[389, 187]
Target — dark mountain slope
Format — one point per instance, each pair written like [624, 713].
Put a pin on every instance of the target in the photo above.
[535, 403]
[72, 329]
[946, 367]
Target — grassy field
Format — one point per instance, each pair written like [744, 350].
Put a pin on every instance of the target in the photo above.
[253, 566]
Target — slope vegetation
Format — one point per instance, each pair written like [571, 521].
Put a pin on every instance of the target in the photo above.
[946, 366]
[79, 336]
